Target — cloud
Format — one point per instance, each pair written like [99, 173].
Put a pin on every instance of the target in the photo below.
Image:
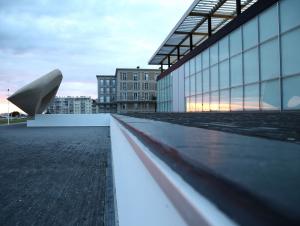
[81, 37]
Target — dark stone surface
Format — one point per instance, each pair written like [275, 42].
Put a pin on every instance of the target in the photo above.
[231, 169]
[283, 126]
[55, 176]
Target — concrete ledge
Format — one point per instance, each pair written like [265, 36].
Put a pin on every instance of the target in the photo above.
[229, 170]
[54, 120]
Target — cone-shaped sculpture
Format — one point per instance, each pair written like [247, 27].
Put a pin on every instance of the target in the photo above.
[37, 95]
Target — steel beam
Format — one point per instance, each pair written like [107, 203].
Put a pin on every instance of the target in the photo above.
[209, 26]
[238, 7]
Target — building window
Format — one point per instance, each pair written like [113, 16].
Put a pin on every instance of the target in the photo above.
[146, 76]
[135, 86]
[101, 82]
[146, 86]
[123, 76]
[124, 96]
[291, 93]
[101, 99]
[251, 100]
[135, 76]
[124, 86]
[107, 90]
[107, 82]
[146, 96]
[135, 96]
[108, 99]
[269, 53]
[270, 95]
[101, 90]
[135, 106]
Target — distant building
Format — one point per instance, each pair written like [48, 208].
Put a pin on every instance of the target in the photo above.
[95, 107]
[106, 93]
[71, 105]
[136, 89]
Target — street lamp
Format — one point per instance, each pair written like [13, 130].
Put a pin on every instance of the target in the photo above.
[7, 107]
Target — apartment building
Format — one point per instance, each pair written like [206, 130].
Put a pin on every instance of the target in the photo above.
[70, 105]
[106, 93]
[136, 89]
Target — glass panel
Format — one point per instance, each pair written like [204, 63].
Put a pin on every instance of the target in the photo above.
[251, 67]
[290, 52]
[187, 87]
[205, 59]
[214, 103]
[192, 66]
[237, 99]
[193, 85]
[187, 104]
[223, 49]
[214, 84]
[235, 42]
[236, 70]
[192, 103]
[224, 74]
[214, 54]
[291, 93]
[181, 71]
[198, 83]
[206, 80]
[268, 23]
[251, 101]
[206, 102]
[187, 69]
[289, 14]
[250, 34]
[270, 95]
[198, 63]
[199, 103]
[269, 54]
[224, 100]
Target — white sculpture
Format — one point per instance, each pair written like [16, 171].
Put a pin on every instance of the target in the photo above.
[35, 97]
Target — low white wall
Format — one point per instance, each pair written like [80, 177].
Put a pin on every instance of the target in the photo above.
[140, 200]
[49, 120]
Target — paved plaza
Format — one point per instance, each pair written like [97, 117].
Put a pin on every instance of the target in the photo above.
[55, 176]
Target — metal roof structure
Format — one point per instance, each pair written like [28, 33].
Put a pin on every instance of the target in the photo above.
[202, 19]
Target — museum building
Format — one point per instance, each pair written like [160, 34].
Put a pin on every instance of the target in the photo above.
[232, 55]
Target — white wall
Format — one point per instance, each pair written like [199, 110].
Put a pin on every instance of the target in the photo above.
[48, 120]
[140, 200]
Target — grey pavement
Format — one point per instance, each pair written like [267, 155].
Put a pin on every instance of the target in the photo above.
[268, 170]
[55, 176]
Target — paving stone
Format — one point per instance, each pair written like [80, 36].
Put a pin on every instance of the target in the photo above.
[55, 176]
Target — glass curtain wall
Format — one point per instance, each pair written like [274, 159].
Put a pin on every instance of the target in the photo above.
[164, 94]
[255, 67]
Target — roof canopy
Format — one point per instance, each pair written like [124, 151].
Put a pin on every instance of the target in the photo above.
[201, 20]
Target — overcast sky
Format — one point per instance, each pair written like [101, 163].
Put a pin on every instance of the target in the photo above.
[80, 37]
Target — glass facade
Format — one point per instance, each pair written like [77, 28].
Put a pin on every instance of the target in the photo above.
[164, 94]
[255, 67]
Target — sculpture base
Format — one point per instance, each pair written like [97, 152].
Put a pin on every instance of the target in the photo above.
[57, 120]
